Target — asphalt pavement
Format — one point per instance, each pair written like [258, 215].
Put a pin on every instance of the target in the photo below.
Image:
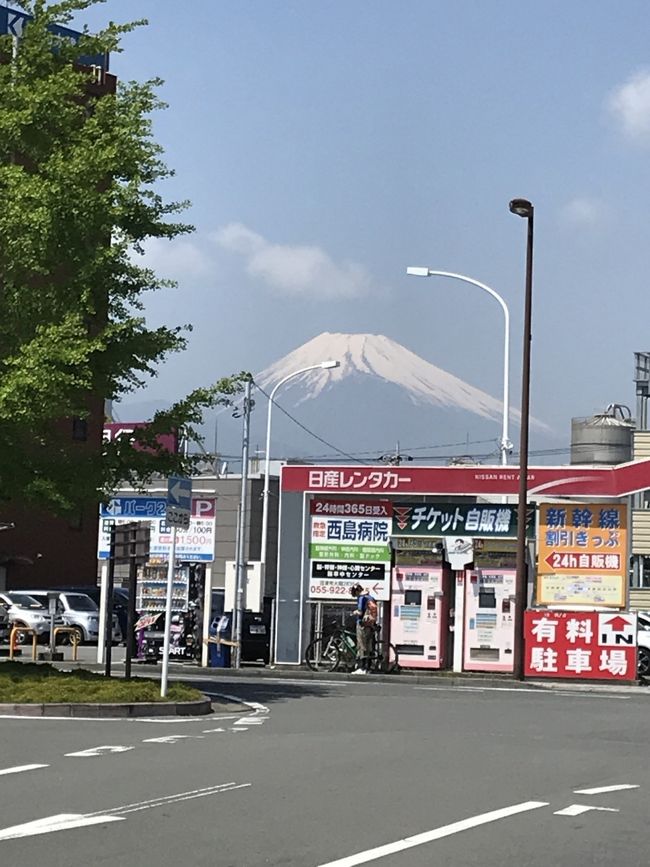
[322, 774]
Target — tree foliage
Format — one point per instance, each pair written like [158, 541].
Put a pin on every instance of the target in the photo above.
[80, 173]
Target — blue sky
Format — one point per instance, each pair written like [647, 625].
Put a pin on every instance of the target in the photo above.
[344, 140]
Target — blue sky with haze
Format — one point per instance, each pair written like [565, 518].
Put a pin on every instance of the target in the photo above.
[327, 145]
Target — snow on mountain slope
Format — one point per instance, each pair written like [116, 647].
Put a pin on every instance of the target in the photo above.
[380, 357]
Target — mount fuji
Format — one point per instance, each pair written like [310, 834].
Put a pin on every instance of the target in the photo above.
[381, 393]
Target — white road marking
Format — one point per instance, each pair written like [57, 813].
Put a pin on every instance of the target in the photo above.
[62, 822]
[579, 809]
[249, 721]
[600, 790]
[99, 751]
[212, 731]
[176, 719]
[189, 796]
[68, 821]
[171, 799]
[240, 729]
[436, 834]
[20, 768]
[171, 739]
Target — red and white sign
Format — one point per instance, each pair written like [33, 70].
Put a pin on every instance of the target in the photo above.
[196, 544]
[568, 481]
[591, 645]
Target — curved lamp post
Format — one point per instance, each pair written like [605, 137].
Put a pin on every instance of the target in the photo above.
[323, 365]
[505, 445]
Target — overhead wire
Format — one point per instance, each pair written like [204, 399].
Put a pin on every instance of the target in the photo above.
[306, 429]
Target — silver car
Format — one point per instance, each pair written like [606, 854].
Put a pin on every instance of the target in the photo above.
[25, 610]
[78, 611]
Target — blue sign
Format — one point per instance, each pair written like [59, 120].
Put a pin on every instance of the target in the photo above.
[12, 23]
[135, 508]
[179, 493]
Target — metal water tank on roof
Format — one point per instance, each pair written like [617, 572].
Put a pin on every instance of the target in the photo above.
[604, 438]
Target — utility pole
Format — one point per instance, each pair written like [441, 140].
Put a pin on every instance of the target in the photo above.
[396, 458]
[241, 553]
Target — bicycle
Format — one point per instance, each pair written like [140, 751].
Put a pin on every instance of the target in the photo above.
[338, 652]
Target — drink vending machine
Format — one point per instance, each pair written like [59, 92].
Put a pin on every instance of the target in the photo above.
[418, 616]
[489, 619]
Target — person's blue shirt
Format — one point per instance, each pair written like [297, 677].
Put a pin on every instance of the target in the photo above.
[362, 604]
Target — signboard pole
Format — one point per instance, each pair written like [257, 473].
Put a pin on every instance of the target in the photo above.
[130, 618]
[103, 588]
[171, 568]
[108, 615]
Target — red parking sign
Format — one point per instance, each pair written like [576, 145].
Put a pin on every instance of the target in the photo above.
[593, 645]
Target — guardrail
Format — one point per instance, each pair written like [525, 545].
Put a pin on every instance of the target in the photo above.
[73, 632]
[26, 630]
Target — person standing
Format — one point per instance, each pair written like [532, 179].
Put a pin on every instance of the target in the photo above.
[366, 614]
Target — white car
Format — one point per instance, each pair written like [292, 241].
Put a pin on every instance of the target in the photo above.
[643, 641]
[78, 611]
[24, 610]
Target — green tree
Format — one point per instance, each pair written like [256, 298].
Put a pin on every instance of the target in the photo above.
[79, 196]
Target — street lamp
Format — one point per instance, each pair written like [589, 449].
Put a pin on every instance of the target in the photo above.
[505, 445]
[322, 365]
[523, 208]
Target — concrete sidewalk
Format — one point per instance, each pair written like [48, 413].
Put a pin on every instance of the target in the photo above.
[474, 680]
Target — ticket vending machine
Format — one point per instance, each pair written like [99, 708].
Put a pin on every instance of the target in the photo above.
[489, 621]
[418, 616]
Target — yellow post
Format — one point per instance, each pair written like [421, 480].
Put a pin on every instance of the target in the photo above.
[12, 640]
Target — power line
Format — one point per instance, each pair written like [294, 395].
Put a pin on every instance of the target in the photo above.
[310, 432]
[413, 448]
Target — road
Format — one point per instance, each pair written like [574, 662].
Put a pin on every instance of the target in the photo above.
[334, 775]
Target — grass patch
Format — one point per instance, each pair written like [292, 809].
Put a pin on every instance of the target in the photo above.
[29, 683]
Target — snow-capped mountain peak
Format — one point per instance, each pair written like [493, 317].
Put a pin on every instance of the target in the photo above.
[377, 356]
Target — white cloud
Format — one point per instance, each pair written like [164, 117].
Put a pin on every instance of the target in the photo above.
[584, 212]
[629, 105]
[294, 269]
[182, 260]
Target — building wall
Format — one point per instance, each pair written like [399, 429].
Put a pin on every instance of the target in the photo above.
[290, 602]
[45, 550]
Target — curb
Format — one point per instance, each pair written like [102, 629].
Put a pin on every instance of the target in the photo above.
[128, 710]
[469, 681]
[335, 677]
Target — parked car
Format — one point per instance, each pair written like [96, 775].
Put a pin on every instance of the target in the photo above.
[25, 610]
[643, 641]
[4, 622]
[79, 611]
[120, 602]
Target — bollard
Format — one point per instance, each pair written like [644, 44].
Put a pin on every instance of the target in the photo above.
[74, 639]
[12, 640]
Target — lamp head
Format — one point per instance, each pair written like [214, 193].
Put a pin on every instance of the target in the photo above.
[327, 365]
[418, 272]
[521, 207]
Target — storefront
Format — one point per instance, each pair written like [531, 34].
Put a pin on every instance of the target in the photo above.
[436, 547]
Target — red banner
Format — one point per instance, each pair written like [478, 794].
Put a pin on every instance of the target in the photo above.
[573, 481]
[593, 645]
